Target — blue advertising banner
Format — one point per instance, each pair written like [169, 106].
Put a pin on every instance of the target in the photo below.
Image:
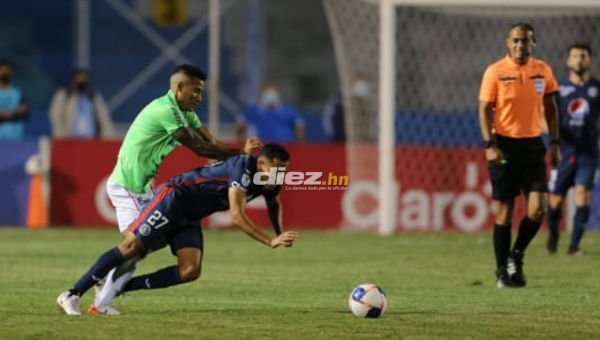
[594, 222]
[14, 182]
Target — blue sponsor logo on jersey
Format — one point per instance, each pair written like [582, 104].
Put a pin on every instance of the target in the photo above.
[578, 109]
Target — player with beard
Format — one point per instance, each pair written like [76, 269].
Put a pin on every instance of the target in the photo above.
[579, 108]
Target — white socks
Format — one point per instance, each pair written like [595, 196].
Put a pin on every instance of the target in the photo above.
[114, 283]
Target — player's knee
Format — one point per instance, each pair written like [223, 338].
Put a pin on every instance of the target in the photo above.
[504, 212]
[189, 273]
[504, 217]
[582, 196]
[556, 202]
[537, 214]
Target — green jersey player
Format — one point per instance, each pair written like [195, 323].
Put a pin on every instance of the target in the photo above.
[163, 125]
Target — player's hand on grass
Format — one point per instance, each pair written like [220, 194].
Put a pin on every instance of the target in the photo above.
[493, 155]
[252, 144]
[286, 238]
[555, 155]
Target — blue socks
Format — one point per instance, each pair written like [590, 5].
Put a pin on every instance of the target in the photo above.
[582, 215]
[163, 278]
[98, 271]
[554, 217]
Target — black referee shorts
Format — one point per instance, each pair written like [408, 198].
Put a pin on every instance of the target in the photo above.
[510, 179]
[524, 170]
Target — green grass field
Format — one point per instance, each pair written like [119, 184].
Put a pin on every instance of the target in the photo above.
[439, 286]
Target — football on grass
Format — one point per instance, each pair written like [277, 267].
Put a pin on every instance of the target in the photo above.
[367, 301]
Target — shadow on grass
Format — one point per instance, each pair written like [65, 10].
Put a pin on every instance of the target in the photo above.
[243, 311]
[397, 313]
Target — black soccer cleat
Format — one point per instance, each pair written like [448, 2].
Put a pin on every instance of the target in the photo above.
[515, 269]
[503, 279]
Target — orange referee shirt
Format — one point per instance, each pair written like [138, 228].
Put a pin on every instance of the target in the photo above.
[518, 91]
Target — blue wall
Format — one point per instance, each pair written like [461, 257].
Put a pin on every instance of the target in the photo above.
[14, 181]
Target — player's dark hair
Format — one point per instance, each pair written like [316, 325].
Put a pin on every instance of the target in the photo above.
[580, 46]
[524, 26]
[274, 151]
[190, 71]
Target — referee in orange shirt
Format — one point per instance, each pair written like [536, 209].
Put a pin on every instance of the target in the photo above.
[516, 92]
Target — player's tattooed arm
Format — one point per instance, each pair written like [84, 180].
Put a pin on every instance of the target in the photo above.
[251, 143]
[208, 136]
[274, 209]
[202, 146]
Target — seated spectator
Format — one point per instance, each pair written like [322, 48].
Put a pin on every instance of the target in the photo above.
[13, 107]
[272, 120]
[80, 112]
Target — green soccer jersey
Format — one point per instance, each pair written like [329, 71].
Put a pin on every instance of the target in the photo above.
[149, 140]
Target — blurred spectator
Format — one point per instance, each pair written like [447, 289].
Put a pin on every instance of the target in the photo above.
[13, 108]
[334, 114]
[333, 119]
[80, 112]
[272, 120]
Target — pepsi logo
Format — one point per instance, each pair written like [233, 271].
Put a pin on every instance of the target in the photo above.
[578, 108]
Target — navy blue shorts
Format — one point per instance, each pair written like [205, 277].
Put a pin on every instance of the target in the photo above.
[189, 236]
[574, 170]
[162, 216]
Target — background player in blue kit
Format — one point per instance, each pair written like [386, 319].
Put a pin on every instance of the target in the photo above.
[579, 107]
[175, 213]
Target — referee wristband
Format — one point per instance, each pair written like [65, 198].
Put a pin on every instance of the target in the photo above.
[488, 144]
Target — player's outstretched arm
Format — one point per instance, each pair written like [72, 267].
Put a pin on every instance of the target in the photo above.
[208, 148]
[237, 203]
[274, 209]
[252, 143]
